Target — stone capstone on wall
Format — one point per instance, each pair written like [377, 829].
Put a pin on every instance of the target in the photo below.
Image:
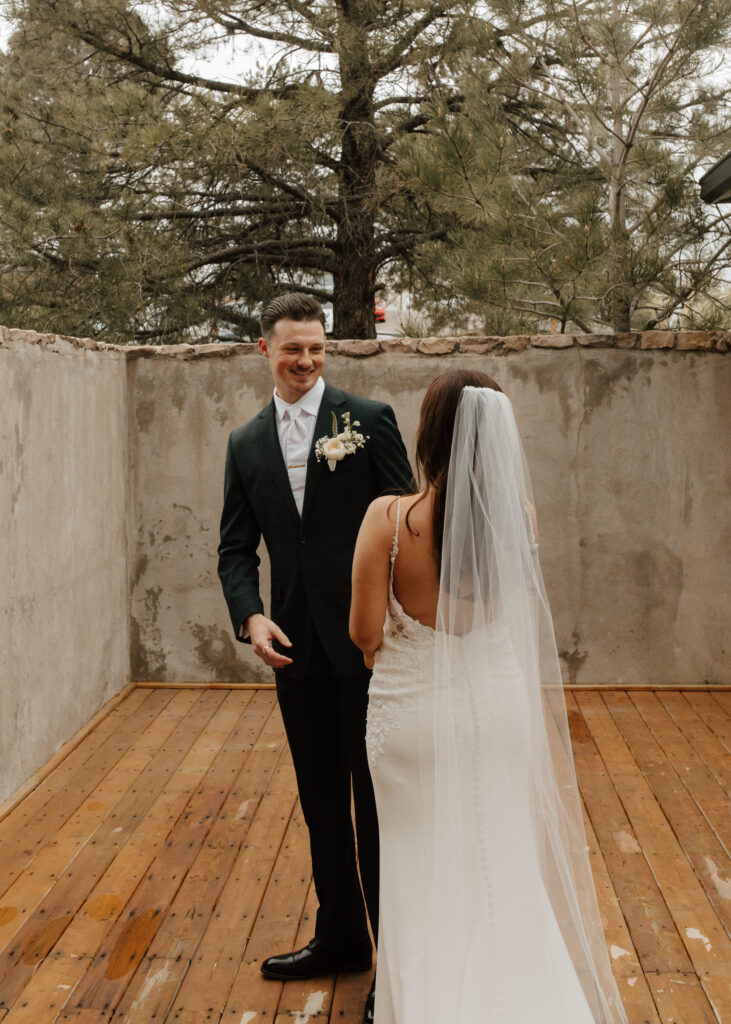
[474, 344]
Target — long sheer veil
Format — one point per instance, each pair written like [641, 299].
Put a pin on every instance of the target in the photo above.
[505, 797]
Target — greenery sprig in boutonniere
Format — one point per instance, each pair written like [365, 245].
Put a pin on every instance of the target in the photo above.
[342, 443]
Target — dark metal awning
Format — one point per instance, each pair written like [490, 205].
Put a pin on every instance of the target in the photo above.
[716, 183]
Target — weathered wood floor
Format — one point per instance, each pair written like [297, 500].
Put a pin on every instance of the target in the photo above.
[147, 875]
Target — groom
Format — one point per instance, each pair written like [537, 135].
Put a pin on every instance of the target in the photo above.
[309, 512]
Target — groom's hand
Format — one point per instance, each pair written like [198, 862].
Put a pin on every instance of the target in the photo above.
[262, 631]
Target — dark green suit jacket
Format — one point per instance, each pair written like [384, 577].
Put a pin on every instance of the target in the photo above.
[311, 558]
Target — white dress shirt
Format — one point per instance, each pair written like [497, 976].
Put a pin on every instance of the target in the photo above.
[296, 431]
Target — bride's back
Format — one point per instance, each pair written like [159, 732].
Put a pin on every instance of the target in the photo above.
[416, 573]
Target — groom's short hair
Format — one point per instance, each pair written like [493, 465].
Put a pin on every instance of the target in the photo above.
[290, 306]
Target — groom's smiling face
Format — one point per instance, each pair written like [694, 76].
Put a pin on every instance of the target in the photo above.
[296, 353]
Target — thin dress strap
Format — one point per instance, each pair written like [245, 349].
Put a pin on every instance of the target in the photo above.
[394, 546]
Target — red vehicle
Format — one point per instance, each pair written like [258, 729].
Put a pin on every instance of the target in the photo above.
[380, 311]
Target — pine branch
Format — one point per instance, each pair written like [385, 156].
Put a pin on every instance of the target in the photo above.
[304, 9]
[682, 243]
[400, 101]
[275, 211]
[652, 84]
[232, 24]
[584, 129]
[685, 293]
[330, 207]
[404, 246]
[169, 74]
[412, 124]
[397, 56]
[276, 250]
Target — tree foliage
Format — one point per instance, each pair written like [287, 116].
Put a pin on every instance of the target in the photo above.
[574, 199]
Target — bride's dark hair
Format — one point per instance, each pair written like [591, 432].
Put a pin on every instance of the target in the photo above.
[434, 439]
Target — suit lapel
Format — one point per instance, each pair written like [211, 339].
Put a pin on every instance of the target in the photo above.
[272, 454]
[332, 399]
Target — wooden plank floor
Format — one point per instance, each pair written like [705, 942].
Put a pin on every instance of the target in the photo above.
[145, 877]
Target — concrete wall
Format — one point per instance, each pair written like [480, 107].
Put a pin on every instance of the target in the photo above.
[181, 413]
[627, 439]
[111, 475]
[64, 639]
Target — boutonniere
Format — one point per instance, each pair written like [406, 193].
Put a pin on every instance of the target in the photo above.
[342, 443]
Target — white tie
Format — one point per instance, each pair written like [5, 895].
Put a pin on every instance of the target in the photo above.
[296, 445]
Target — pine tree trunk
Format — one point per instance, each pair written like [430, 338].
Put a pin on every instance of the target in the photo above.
[620, 299]
[620, 303]
[621, 309]
[355, 276]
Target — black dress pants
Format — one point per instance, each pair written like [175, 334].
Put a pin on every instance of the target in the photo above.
[324, 717]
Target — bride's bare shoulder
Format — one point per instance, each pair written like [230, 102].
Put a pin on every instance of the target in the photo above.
[416, 514]
[383, 509]
[417, 506]
[380, 518]
[377, 525]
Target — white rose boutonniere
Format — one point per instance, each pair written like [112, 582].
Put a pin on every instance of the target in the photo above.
[342, 443]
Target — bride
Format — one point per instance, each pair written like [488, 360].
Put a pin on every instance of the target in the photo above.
[488, 913]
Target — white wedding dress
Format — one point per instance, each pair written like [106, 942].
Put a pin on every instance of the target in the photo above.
[513, 966]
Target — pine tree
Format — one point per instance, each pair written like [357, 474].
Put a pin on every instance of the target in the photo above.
[142, 197]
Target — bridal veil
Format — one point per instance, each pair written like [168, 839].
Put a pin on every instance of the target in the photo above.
[510, 877]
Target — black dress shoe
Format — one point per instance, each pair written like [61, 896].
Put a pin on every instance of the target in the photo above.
[370, 1007]
[315, 959]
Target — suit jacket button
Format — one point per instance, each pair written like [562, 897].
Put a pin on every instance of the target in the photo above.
[302, 539]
